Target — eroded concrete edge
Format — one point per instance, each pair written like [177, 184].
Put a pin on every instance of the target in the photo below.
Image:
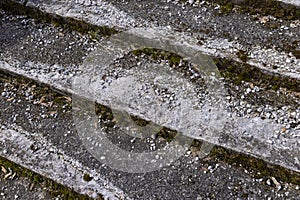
[214, 47]
[101, 14]
[276, 154]
[53, 163]
[96, 12]
[292, 2]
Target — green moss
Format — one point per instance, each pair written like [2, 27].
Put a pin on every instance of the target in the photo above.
[242, 55]
[60, 100]
[233, 69]
[87, 177]
[139, 121]
[227, 8]
[174, 60]
[237, 72]
[275, 87]
[297, 14]
[296, 53]
[273, 25]
[167, 134]
[259, 167]
[157, 54]
[53, 188]
[263, 7]
[104, 111]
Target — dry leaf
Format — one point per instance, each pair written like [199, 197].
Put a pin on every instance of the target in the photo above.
[8, 175]
[3, 169]
[42, 100]
[69, 99]
[10, 99]
[52, 112]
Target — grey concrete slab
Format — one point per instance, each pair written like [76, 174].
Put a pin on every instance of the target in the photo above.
[25, 51]
[44, 139]
[250, 135]
[53, 163]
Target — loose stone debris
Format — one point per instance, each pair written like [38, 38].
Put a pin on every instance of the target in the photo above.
[276, 109]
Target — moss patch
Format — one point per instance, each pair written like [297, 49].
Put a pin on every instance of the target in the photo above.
[260, 168]
[167, 134]
[55, 101]
[273, 25]
[242, 55]
[107, 115]
[87, 177]
[263, 7]
[156, 54]
[296, 53]
[227, 8]
[237, 72]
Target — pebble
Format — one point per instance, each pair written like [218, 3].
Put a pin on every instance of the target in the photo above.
[30, 97]
[248, 90]
[133, 140]
[154, 136]
[278, 185]
[102, 157]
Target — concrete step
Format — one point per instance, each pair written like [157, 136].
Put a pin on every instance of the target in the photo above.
[248, 116]
[38, 132]
[238, 130]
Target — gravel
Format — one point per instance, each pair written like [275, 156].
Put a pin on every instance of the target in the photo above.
[188, 177]
[29, 41]
[224, 35]
[239, 126]
[18, 188]
[260, 113]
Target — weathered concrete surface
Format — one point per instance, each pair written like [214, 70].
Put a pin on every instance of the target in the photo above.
[260, 42]
[18, 189]
[40, 128]
[292, 2]
[53, 163]
[261, 139]
[260, 54]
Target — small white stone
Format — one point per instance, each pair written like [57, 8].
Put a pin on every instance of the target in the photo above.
[293, 114]
[132, 141]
